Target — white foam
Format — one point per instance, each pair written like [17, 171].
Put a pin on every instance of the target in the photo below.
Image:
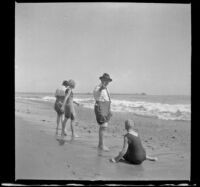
[159, 110]
[49, 98]
[152, 109]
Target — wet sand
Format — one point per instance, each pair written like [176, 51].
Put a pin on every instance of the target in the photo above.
[39, 155]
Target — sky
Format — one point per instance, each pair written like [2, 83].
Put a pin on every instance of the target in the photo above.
[144, 47]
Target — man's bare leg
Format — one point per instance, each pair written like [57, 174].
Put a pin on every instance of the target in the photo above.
[101, 145]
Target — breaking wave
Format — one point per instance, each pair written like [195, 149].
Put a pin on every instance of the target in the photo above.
[152, 109]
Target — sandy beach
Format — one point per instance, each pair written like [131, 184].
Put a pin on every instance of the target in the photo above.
[40, 156]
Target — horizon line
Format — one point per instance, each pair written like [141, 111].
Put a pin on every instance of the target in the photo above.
[114, 93]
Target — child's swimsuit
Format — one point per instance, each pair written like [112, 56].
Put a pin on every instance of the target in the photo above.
[135, 153]
[69, 107]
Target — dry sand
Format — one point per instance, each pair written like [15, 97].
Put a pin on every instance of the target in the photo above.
[40, 156]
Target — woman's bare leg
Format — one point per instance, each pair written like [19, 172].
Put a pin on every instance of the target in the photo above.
[62, 119]
[63, 127]
[74, 135]
[58, 121]
[72, 127]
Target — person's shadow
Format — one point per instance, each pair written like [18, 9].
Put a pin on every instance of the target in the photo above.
[129, 163]
[126, 162]
[62, 142]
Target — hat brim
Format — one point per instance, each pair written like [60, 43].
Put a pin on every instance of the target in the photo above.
[103, 78]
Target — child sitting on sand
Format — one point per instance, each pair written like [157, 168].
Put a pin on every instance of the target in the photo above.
[132, 151]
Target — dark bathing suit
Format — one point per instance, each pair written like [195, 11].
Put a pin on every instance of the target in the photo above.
[135, 153]
[69, 107]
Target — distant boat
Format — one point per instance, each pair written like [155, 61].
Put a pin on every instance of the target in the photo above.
[140, 93]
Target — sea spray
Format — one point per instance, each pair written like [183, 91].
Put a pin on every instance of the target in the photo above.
[151, 109]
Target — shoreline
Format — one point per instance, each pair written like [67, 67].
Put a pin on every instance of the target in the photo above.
[36, 147]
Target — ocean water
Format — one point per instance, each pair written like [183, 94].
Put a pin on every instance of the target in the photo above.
[166, 107]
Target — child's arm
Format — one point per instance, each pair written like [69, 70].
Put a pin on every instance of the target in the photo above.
[123, 151]
[76, 103]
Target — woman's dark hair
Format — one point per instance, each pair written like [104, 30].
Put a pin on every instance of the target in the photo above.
[65, 83]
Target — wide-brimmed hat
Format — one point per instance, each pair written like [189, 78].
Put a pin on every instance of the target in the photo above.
[105, 76]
